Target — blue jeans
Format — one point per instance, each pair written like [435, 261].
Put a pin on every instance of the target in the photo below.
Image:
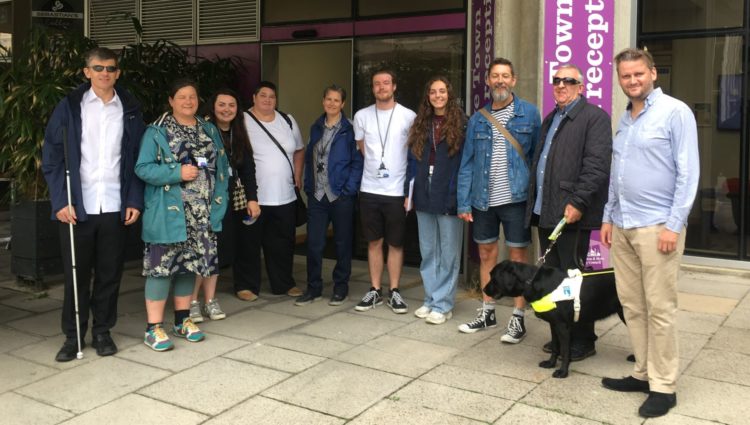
[319, 214]
[440, 242]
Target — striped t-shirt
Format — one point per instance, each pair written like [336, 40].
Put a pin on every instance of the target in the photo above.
[499, 183]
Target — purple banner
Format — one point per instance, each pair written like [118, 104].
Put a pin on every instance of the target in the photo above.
[482, 48]
[580, 32]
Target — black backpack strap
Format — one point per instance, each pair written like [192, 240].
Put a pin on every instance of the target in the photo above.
[286, 118]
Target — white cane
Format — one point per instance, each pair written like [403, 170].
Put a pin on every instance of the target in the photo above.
[79, 355]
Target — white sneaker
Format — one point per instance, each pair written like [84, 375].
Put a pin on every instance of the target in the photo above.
[195, 311]
[438, 318]
[422, 312]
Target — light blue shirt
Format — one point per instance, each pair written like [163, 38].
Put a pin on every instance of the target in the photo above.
[554, 125]
[655, 166]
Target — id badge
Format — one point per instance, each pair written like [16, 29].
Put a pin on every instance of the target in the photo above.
[432, 168]
[201, 162]
[383, 173]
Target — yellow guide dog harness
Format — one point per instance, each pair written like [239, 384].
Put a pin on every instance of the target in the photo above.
[568, 289]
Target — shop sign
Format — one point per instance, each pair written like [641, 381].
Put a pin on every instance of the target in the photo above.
[62, 15]
[482, 48]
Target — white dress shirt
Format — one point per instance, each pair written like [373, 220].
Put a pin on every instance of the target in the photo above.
[101, 143]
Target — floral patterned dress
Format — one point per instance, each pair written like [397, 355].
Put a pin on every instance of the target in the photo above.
[198, 254]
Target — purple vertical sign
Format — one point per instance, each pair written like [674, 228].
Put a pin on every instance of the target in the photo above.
[482, 48]
[581, 32]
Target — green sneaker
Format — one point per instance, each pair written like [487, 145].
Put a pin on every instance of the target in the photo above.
[189, 331]
[157, 339]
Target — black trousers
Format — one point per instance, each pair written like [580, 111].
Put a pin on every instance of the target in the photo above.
[569, 253]
[275, 233]
[240, 247]
[99, 247]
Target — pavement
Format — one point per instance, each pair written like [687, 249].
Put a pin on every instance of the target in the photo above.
[273, 362]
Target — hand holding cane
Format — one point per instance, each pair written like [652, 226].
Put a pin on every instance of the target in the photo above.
[79, 355]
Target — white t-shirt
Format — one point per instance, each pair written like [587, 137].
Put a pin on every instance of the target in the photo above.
[272, 172]
[393, 157]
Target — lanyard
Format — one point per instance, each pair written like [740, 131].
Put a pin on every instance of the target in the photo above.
[387, 130]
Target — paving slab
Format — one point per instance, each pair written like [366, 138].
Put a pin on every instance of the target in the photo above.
[275, 357]
[308, 344]
[338, 389]
[709, 285]
[521, 414]
[705, 303]
[131, 303]
[740, 318]
[12, 339]
[93, 384]
[19, 410]
[446, 334]
[398, 355]
[455, 401]
[701, 323]
[44, 352]
[689, 343]
[184, 355]
[314, 310]
[731, 339]
[29, 302]
[18, 372]
[44, 324]
[257, 325]
[231, 305]
[271, 412]
[725, 366]
[675, 419]
[609, 361]
[136, 409]
[350, 327]
[402, 413]
[479, 382]
[712, 400]
[385, 312]
[583, 396]
[515, 361]
[214, 386]
[10, 313]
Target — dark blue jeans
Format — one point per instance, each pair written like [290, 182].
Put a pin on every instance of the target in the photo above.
[319, 214]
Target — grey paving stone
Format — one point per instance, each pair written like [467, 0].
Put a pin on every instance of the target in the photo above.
[726, 366]
[583, 396]
[136, 409]
[10, 313]
[214, 386]
[446, 334]
[93, 384]
[350, 327]
[18, 372]
[711, 286]
[675, 419]
[184, 355]
[689, 343]
[479, 382]
[480, 407]
[731, 339]
[603, 326]
[402, 413]
[233, 305]
[745, 303]
[336, 388]
[712, 400]
[521, 414]
[398, 355]
[20, 410]
[700, 323]
[515, 361]
[740, 318]
[44, 352]
[12, 339]
[609, 361]
[44, 324]
[315, 310]
[257, 325]
[385, 312]
[266, 411]
[31, 303]
[131, 303]
[308, 344]
[274, 357]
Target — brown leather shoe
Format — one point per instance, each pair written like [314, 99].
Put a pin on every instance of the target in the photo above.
[294, 292]
[246, 295]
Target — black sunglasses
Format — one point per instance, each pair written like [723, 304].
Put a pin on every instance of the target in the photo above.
[100, 68]
[568, 81]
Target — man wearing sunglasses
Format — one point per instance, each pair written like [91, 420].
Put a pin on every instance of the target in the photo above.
[569, 179]
[102, 127]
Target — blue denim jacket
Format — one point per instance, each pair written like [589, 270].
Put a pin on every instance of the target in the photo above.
[474, 173]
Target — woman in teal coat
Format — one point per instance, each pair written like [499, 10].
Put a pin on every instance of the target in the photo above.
[185, 169]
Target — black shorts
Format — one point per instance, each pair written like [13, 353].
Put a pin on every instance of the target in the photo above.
[383, 217]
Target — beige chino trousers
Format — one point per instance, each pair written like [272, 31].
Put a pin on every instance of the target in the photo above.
[647, 288]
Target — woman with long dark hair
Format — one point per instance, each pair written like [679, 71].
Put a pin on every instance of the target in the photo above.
[225, 112]
[435, 142]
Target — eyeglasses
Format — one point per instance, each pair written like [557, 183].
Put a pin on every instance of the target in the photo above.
[100, 68]
[568, 81]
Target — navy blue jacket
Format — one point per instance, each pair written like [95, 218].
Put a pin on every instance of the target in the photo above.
[439, 196]
[67, 114]
[345, 161]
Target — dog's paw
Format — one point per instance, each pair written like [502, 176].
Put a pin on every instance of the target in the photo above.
[559, 373]
[547, 364]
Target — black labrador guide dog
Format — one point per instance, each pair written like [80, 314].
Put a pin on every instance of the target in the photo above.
[598, 300]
